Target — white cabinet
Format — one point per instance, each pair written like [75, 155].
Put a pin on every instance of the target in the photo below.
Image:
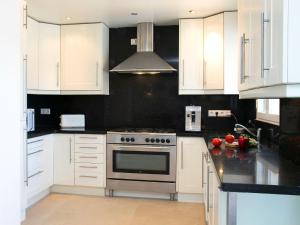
[32, 42]
[191, 56]
[64, 159]
[207, 55]
[39, 166]
[269, 40]
[49, 57]
[214, 52]
[84, 58]
[189, 165]
[90, 160]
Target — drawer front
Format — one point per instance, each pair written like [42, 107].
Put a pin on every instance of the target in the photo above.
[89, 139]
[90, 148]
[35, 146]
[34, 163]
[35, 184]
[89, 168]
[89, 158]
[89, 179]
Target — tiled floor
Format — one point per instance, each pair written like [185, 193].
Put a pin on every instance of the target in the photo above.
[59, 209]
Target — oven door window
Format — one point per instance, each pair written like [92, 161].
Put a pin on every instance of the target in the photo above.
[141, 162]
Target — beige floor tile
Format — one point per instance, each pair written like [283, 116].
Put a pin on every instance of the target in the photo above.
[59, 209]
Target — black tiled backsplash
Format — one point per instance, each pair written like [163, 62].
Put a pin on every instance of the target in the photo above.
[141, 101]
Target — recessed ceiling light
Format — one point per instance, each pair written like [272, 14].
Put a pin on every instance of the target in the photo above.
[134, 14]
[68, 18]
[191, 11]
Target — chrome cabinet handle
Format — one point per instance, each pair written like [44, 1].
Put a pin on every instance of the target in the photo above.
[204, 73]
[182, 155]
[88, 167]
[33, 175]
[207, 209]
[88, 137]
[25, 15]
[88, 157]
[203, 169]
[70, 148]
[35, 141]
[57, 74]
[33, 153]
[183, 73]
[88, 147]
[263, 68]
[97, 74]
[95, 177]
[244, 41]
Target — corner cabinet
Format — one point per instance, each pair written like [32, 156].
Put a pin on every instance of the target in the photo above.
[84, 59]
[207, 53]
[269, 40]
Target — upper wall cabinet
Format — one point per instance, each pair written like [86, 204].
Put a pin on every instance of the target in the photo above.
[269, 39]
[49, 57]
[208, 54]
[84, 59]
[32, 50]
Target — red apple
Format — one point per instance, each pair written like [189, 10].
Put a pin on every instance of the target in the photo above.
[229, 138]
[243, 142]
[216, 142]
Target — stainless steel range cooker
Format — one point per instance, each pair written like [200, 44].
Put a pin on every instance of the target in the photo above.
[141, 160]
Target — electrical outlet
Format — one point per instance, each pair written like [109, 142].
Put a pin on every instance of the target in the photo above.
[133, 41]
[219, 113]
[45, 111]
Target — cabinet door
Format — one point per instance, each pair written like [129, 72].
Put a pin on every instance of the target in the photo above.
[32, 54]
[48, 161]
[80, 55]
[214, 52]
[49, 57]
[215, 200]
[191, 56]
[64, 159]
[189, 168]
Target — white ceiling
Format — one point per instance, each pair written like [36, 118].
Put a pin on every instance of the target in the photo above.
[116, 13]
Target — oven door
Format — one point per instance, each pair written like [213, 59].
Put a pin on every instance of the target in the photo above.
[141, 162]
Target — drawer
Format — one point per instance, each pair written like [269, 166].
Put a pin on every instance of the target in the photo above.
[35, 184]
[89, 179]
[90, 148]
[89, 158]
[34, 163]
[89, 139]
[89, 168]
[34, 146]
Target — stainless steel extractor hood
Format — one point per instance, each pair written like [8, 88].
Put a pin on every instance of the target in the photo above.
[145, 61]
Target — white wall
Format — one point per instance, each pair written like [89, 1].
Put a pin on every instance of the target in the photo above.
[10, 112]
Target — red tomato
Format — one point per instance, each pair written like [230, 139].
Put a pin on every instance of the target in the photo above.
[243, 142]
[216, 142]
[229, 138]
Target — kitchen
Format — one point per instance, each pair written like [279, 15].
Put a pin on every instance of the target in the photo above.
[125, 107]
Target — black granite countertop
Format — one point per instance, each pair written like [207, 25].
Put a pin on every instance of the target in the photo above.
[46, 131]
[255, 170]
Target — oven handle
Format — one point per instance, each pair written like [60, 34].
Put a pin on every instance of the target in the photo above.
[139, 147]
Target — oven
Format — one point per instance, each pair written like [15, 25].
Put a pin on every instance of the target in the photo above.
[141, 162]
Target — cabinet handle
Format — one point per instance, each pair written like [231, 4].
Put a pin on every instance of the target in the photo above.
[263, 68]
[207, 208]
[183, 74]
[88, 157]
[88, 138]
[97, 73]
[33, 153]
[88, 147]
[94, 177]
[57, 74]
[182, 155]
[25, 60]
[204, 74]
[203, 169]
[40, 140]
[25, 15]
[88, 167]
[36, 174]
[70, 148]
[244, 41]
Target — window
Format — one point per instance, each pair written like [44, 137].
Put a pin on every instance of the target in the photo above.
[268, 110]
